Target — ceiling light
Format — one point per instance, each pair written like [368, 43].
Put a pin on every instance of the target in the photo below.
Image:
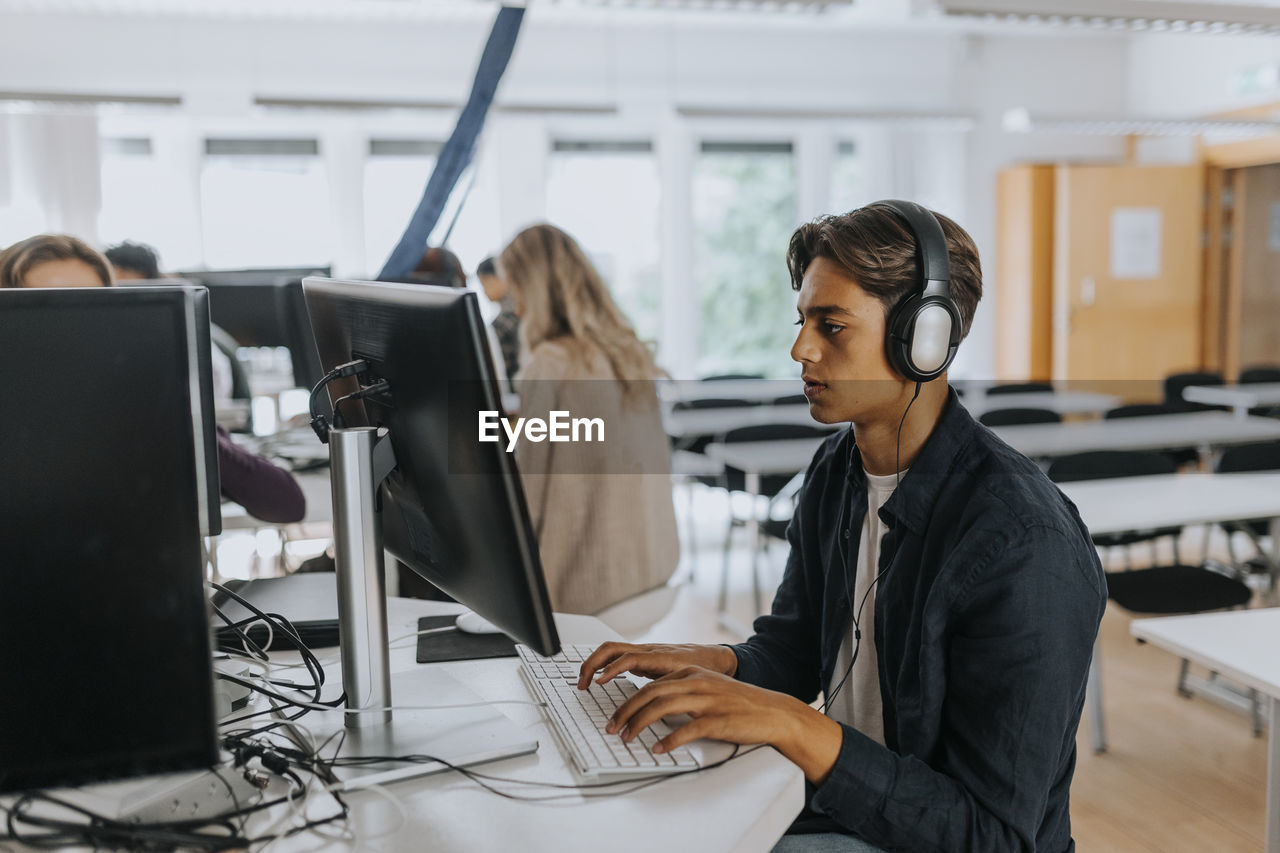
[1139, 15]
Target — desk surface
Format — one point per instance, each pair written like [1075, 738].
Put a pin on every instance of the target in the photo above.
[1241, 396]
[691, 422]
[744, 805]
[1166, 500]
[1239, 644]
[1156, 432]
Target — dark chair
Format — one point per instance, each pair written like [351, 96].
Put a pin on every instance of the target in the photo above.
[1252, 457]
[1259, 373]
[1021, 388]
[1176, 382]
[772, 487]
[791, 400]
[1160, 589]
[1138, 410]
[1011, 417]
[1106, 464]
[727, 377]
[698, 443]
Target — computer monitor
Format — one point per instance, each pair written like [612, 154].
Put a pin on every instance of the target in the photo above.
[454, 507]
[266, 308]
[106, 664]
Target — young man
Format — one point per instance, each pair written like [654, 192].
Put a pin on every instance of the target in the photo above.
[940, 591]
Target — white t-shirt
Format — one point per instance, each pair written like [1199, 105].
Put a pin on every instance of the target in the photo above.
[858, 702]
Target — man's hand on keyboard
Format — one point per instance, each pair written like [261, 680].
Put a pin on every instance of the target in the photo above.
[729, 710]
[653, 661]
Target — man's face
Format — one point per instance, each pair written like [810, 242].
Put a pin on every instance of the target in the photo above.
[66, 273]
[840, 347]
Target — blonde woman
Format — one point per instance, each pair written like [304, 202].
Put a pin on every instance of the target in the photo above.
[601, 506]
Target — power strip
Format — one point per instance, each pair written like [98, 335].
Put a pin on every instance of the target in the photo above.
[190, 796]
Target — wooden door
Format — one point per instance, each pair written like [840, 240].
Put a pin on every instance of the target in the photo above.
[1128, 272]
[1024, 273]
[1252, 293]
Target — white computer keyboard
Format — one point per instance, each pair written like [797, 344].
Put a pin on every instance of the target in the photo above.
[578, 718]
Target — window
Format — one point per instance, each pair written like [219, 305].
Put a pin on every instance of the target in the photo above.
[847, 185]
[744, 210]
[607, 195]
[265, 203]
[395, 174]
[143, 201]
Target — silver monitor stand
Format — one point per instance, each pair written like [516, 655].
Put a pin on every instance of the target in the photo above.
[360, 460]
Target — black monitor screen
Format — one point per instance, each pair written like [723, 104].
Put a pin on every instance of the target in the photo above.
[106, 656]
[454, 508]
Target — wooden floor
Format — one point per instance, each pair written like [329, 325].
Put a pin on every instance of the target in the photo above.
[1179, 775]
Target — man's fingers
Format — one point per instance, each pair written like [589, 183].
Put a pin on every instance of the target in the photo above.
[649, 693]
[664, 706]
[597, 659]
[699, 727]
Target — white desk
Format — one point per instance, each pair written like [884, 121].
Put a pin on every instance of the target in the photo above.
[1241, 645]
[694, 422]
[1156, 432]
[1146, 503]
[751, 390]
[1062, 402]
[745, 805]
[1241, 398]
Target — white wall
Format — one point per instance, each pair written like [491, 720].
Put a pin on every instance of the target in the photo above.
[646, 67]
[1194, 75]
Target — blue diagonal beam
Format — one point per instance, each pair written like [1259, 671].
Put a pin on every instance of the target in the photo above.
[458, 151]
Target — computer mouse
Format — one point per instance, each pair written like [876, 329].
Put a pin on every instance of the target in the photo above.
[471, 623]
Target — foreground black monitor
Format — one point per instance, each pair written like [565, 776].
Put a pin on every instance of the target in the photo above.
[106, 664]
[454, 508]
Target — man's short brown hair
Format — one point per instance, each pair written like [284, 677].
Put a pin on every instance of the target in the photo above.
[20, 258]
[875, 248]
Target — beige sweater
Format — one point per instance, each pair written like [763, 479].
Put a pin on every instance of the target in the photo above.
[602, 511]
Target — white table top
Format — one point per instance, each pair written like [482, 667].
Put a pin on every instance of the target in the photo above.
[1238, 396]
[1062, 402]
[1156, 432]
[744, 805]
[688, 422]
[1167, 500]
[753, 390]
[1239, 644]
[787, 456]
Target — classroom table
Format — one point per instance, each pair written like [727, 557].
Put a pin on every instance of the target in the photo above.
[1239, 645]
[743, 805]
[1241, 398]
[1201, 430]
[689, 423]
[1166, 500]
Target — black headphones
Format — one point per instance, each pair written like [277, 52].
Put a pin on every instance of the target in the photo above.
[923, 329]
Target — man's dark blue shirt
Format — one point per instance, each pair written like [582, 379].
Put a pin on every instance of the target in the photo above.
[986, 613]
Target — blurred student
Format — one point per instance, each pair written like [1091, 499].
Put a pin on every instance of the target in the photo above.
[56, 260]
[437, 265]
[602, 511]
[133, 261]
[506, 325]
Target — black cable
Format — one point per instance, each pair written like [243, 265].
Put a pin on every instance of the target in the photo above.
[376, 388]
[844, 551]
[318, 421]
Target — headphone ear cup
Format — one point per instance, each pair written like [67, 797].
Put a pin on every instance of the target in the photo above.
[921, 337]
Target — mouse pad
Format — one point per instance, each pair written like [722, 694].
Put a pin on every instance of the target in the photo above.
[455, 645]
